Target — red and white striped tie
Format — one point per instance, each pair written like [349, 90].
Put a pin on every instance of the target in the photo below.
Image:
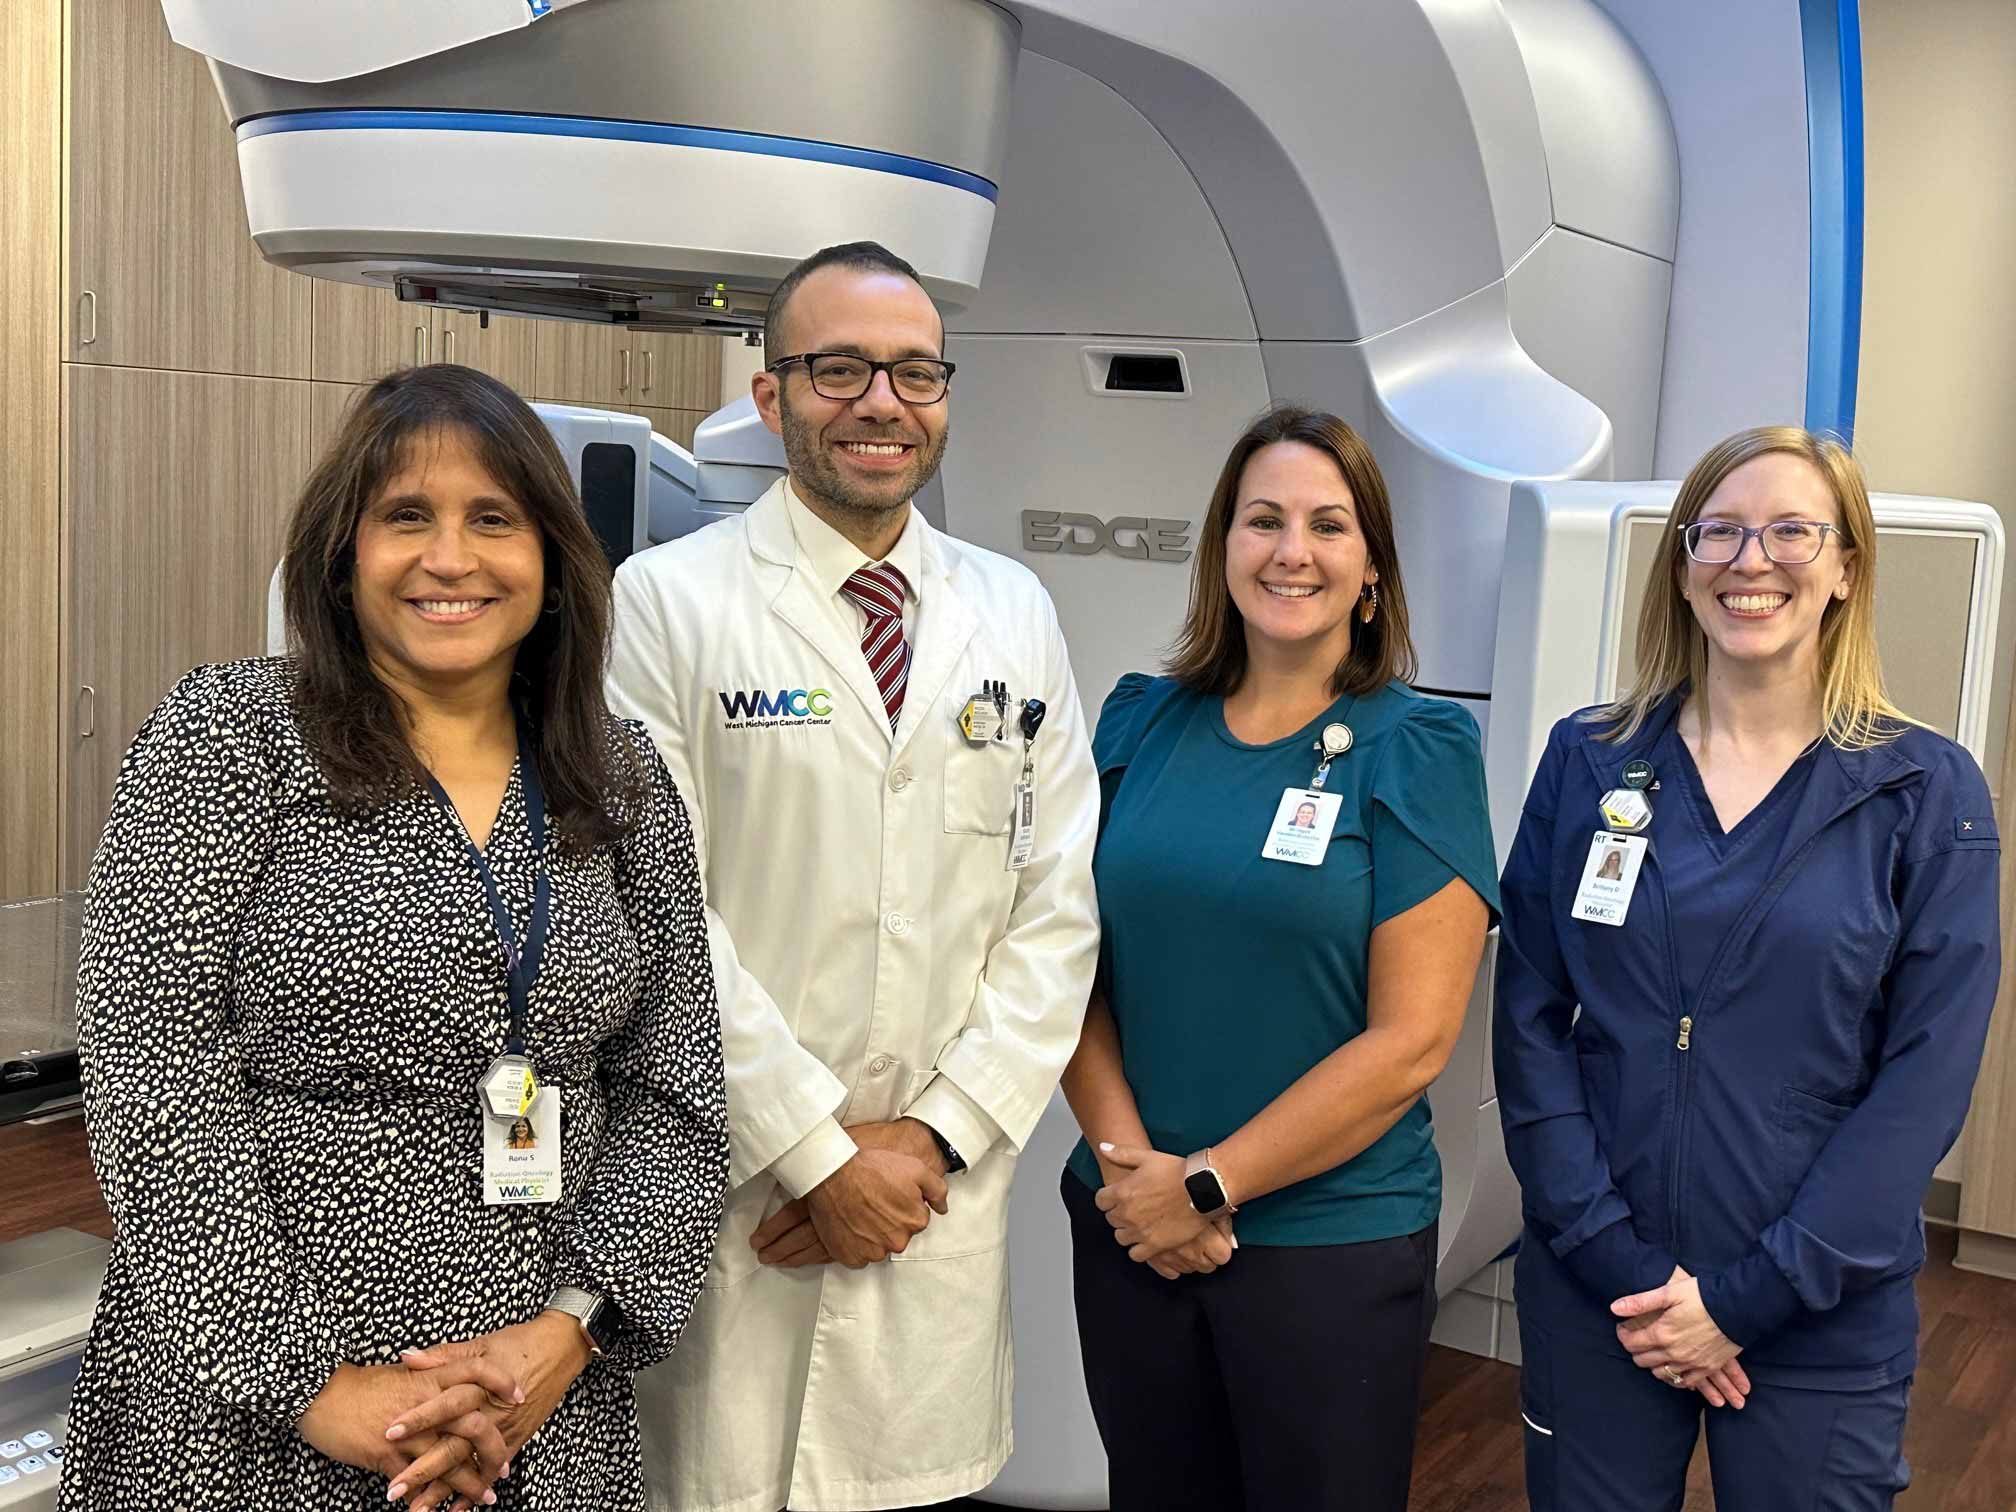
[878, 590]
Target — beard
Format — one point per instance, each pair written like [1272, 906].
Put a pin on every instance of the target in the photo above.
[814, 470]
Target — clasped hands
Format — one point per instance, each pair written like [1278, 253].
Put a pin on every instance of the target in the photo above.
[869, 1209]
[1152, 1218]
[444, 1425]
[1669, 1332]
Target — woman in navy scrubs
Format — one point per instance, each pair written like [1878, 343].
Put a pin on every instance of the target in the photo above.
[1295, 882]
[1783, 997]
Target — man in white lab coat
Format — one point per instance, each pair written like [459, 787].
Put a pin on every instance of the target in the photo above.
[901, 915]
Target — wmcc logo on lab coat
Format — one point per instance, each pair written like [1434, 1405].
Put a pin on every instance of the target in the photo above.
[769, 711]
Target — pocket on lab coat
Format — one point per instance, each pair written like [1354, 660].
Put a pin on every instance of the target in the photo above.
[980, 786]
[976, 1222]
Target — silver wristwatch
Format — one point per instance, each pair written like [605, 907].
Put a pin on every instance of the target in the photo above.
[590, 1309]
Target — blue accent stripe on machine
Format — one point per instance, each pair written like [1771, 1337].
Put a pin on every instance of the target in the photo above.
[1832, 31]
[619, 131]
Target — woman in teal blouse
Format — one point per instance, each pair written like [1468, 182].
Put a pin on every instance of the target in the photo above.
[1274, 998]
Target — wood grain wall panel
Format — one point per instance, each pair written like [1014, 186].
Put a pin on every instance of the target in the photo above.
[31, 295]
[328, 403]
[1988, 1175]
[177, 490]
[361, 333]
[507, 349]
[678, 372]
[577, 363]
[161, 270]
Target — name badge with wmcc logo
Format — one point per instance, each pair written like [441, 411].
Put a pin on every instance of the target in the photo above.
[521, 1156]
[1609, 877]
[760, 709]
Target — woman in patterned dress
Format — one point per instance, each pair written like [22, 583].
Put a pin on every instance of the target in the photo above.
[293, 981]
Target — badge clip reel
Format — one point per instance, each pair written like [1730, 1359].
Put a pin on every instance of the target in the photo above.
[1023, 845]
[1336, 741]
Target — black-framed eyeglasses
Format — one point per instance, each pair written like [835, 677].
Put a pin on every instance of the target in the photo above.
[843, 375]
[1789, 543]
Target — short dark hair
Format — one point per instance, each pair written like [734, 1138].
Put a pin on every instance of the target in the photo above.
[861, 256]
[1210, 652]
[349, 718]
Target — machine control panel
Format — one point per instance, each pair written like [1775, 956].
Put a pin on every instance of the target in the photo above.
[33, 1426]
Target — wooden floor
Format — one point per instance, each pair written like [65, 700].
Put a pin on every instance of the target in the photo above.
[1961, 1440]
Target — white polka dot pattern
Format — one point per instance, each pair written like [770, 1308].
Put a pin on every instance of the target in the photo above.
[284, 1012]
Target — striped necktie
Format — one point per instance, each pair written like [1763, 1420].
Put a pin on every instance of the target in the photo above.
[877, 590]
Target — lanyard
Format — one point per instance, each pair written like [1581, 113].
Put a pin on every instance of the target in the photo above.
[521, 970]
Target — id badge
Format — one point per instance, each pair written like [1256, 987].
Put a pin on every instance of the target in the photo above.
[1301, 829]
[521, 1156]
[1023, 845]
[1609, 877]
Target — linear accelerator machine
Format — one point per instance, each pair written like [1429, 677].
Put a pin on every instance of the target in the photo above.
[1455, 222]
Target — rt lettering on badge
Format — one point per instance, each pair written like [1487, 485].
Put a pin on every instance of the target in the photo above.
[1609, 877]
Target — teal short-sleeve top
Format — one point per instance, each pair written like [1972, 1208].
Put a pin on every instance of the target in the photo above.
[1230, 975]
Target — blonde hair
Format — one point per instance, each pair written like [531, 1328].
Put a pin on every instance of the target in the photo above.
[1673, 651]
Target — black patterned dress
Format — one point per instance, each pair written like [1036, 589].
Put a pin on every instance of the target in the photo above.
[284, 1013]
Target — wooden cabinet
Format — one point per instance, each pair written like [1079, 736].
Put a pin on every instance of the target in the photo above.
[31, 239]
[672, 424]
[161, 271]
[363, 333]
[504, 346]
[615, 367]
[177, 488]
[678, 372]
[328, 404]
[580, 364]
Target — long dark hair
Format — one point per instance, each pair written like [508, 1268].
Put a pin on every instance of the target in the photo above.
[1210, 651]
[350, 719]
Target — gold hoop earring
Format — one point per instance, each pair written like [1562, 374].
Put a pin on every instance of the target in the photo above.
[1369, 607]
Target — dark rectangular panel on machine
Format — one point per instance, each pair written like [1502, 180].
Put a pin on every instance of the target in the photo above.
[609, 495]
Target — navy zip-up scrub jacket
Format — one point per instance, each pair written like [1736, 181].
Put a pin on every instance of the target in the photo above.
[1782, 1155]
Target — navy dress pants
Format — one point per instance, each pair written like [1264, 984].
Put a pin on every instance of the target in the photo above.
[1603, 1435]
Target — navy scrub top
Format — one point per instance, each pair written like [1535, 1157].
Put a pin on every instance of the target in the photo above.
[1229, 975]
[1836, 956]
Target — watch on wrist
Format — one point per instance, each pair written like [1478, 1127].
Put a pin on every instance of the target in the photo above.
[1205, 1187]
[591, 1310]
[954, 1161]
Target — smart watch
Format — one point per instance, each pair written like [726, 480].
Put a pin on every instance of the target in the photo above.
[591, 1310]
[1205, 1187]
[954, 1161]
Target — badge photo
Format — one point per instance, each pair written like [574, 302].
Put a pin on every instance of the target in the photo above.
[521, 1155]
[1300, 832]
[1609, 877]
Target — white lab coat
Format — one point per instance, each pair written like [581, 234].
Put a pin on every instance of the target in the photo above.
[874, 956]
